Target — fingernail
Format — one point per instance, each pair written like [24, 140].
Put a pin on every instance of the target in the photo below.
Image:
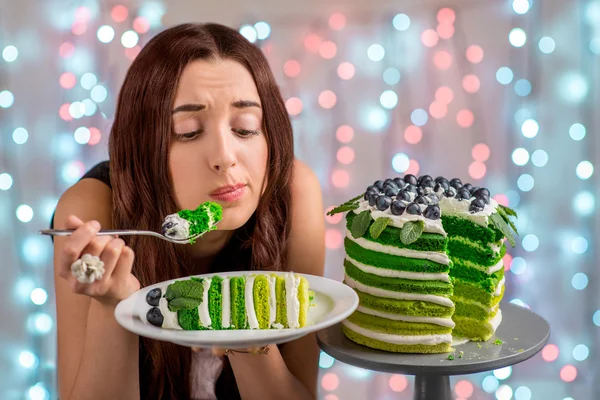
[96, 224]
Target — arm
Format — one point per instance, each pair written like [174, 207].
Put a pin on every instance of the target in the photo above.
[292, 372]
[97, 359]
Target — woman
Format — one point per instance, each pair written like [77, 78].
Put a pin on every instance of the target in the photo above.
[199, 117]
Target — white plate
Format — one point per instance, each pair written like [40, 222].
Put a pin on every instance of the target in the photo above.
[333, 302]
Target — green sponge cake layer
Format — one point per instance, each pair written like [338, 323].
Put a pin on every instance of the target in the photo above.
[281, 318]
[404, 307]
[474, 292]
[483, 255]
[261, 301]
[238, 303]
[477, 330]
[214, 302]
[456, 226]
[398, 284]
[464, 308]
[389, 261]
[404, 328]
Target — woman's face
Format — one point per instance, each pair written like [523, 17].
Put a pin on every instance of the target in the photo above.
[218, 151]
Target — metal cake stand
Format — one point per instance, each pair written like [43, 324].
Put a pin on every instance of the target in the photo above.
[522, 332]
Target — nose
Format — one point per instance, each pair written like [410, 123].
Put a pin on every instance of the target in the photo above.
[222, 153]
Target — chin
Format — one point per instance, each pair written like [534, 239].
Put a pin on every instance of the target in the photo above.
[234, 218]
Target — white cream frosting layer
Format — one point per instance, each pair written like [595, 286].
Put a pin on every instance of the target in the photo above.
[170, 320]
[292, 302]
[399, 339]
[488, 270]
[488, 310]
[392, 273]
[408, 318]
[249, 298]
[398, 221]
[498, 290]
[203, 307]
[495, 247]
[494, 323]
[226, 303]
[272, 301]
[444, 301]
[440, 258]
[454, 207]
[180, 229]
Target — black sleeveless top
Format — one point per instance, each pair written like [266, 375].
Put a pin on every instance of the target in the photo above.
[226, 386]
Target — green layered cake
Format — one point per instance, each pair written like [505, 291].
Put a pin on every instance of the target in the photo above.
[247, 301]
[425, 258]
[186, 224]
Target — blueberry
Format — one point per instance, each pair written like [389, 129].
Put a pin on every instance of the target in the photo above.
[474, 189]
[441, 185]
[440, 178]
[411, 188]
[450, 192]
[432, 212]
[373, 189]
[398, 207]
[486, 199]
[433, 199]
[480, 203]
[467, 186]
[403, 195]
[155, 317]
[373, 199]
[153, 296]
[456, 183]
[399, 182]
[378, 185]
[463, 194]
[421, 191]
[391, 191]
[383, 203]
[424, 178]
[481, 191]
[420, 200]
[387, 181]
[413, 209]
[473, 208]
[427, 184]
[166, 227]
[410, 178]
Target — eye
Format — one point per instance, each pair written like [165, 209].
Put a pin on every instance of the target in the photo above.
[246, 133]
[188, 136]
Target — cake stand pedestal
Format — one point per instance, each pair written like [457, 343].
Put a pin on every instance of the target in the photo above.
[522, 332]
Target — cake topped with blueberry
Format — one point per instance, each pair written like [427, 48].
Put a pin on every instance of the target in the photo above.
[425, 257]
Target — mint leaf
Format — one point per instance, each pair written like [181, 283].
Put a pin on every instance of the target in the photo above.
[508, 211]
[502, 226]
[360, 224]
[173, 290]
[506, 218]
[378, 226]
[183, 303]
[350, 205]
[411, 231]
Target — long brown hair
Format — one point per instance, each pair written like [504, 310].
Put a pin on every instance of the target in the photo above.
[142, 190]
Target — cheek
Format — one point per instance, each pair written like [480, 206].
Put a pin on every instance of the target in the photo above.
[185, 178]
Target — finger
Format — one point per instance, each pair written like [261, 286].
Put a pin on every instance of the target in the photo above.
[121, 279]
[73, 222]
[75, 244]
[218, 352]
[110, 256]
[97, 245]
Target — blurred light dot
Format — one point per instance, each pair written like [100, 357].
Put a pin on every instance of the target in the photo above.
[340, 178]
[445, 30]
[99, 94]
[67, 80]
[10, 53]
[477, 170]
[38, 392]
[577, 131]
[153, 11]
[504, 75]
[474, 54]
[430, 38]
[344, 133]
[391, 76]
[581, 352]
[596, 318]
[65, 112]
[525, 182]
[66, 50]
[129, 39]
[119, 13]
[71, 172]
[579, 245]
[6, 181]
[413, 134]
[520, 6]
[24, 213]
[105, 34]
[446, 16]
[419, 117]
[471, 83]
[413, 167]
[520, 156]
[35, 250]
[76, 109]
[523, 87]
[345, 155]
[345, 71]
[141, 25]
[579, 281]
[89, 107]
[568, 373]
[503, 373]
[327, 99]
[513, 198]
[39, 296]
[530, 242]
[88, 80]
[504, 392]
[376, 52]
[547, 45]
[263, 30]
[518, 265]
[374, 118]
[595, 45]
[27, 359]
[337, 21]
[328, 49]
[464, 118]
[20, 135]
[444, 95]
[249, 33]
[401, 22]
[517, 37]
[42, 323]
[584, 203]
[331, 397]
[442, 60]
[82, 135]
[539, 158]
[400, 162]
[325, 360]
[523, 393]
[312, 42]
[521, 115]
[388, 99]
[501, 199]
[573, 87]
[398, 383]
[291, 68]
[83, 14]
[438, 110]
[95, 136]
[464, 389]
[490, 384]
[584, 170]
[330, 381]
[481, 152]
[7, 99]
[333, 219]
[79, 28]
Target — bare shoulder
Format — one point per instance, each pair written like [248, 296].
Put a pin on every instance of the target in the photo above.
[306, 245]
[87, 199]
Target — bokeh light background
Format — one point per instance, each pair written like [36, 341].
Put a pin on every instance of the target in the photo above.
[501, 93]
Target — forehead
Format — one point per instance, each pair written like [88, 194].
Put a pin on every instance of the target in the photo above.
[212, 80]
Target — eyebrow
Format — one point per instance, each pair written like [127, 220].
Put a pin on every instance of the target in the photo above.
[200, 107]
